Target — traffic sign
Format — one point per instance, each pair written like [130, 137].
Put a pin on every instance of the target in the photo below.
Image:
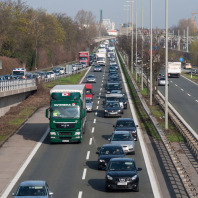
[181, 59]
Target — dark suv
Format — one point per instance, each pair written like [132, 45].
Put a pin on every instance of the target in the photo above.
[126, 124]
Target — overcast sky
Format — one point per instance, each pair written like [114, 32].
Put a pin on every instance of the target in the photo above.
[114, 9]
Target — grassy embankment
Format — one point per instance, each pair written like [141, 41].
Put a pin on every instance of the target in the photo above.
[12, 120]
[146, 124]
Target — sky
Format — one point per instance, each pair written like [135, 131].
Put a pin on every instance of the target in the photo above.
[115, 10]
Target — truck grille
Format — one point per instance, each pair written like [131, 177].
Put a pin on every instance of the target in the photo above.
[65, 125]
[65, 138]
[65, 133]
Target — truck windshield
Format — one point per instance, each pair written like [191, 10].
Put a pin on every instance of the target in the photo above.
[66, 112]
[82, 58]
[18, 73]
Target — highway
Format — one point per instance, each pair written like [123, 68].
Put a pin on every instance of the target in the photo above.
[183, 95]
[71, 169]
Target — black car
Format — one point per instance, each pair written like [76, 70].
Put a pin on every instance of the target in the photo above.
[122, 174]
[107, 152]
[126, 124]
[112, 109]
[112, 86]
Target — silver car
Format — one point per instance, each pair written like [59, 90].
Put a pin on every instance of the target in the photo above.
[33, 189]
[125, 139]
[91, 78]
[89, 104]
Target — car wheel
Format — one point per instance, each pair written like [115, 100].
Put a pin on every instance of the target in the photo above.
[136, 189]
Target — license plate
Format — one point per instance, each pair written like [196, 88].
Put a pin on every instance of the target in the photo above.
[121, 183]
[113, 112]
[65, 140]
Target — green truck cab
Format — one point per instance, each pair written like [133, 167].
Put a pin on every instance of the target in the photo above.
[67, 113]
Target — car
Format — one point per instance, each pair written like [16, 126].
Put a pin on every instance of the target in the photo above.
[162, 81]
[33, 188]
[112, 86]
[112, 69]
[122, 174]
[8, 77]
[56, 71]
[124, 139]
[107, 152]
[91, 78]
[113, 63]
[97, 68]
[2, 78]
[89, 104]
[126, 124]
[112, 109]
[116, 92]
[50, 74]
[115, 97]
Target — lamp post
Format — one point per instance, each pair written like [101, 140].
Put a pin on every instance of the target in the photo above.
[151, 55]
[142, 69]
[136, 41]
[166, 70]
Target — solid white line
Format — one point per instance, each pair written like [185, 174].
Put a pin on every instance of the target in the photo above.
[94, 121]
[80, 194]
[84, 173]
[90, 141]
[98, 101]
[88, 154]
[188, 94]
[97, 107]
[182, 90]
[93, 128]
[189, 80]
[23, 167]
[147, 159]
[85, 75]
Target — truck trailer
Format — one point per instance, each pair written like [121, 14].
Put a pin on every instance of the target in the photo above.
[174, 69]
[84, 58]
[67, 113]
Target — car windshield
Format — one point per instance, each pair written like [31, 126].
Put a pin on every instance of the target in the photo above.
[116, 91]
[31, 191]
[122, 137]
[88, 91]
[125, 123]
[113, 86]
[88, 101]
[66, 112]
[112, 104]
[82, 58]
[122, 166]
[111, 151]
[91, 76]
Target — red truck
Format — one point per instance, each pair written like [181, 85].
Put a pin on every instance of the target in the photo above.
[84, 58]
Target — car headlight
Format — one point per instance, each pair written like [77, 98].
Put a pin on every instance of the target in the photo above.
[106, 110]
[109, 177]
[77, 133]
[52, 133]
[134, 177]
[130, 146]
[101, 160]
[119, 110]
[133, 131]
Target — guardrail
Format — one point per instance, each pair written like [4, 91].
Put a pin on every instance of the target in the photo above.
[16, 84]
[191, 190]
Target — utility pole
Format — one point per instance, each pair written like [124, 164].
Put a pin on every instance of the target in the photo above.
[142, 69]
[178, 41]
[132, 38]
[187, 34]
[166, 70]
[136, 42]
[151, 55]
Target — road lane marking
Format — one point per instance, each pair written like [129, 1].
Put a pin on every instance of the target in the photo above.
[93, 128]
[176, 85]
[188, 94]
[182, 90]
[80, 194]
[100, 89]
[99, 93]
[171, 81]
[97, 107]
[90, 141]
[101, 84]
[88, 154]
[196, 100]
[98, 101]
[99, 97]
[84, 173]
[102, 81]
[94, 121]
[96, 113]
[23, 167]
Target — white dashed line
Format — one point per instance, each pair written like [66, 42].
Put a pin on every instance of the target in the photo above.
[80, 194]
[188, 94]
[88, 154]
[101, 84]
[84, 173]
[96, 113]
[99, 93]
[98, 101]
[97, 107]
[102, 81]
[182, 90]
[176, 85]
[196, 100]
[171, 81]
[100, 89]
[90, 141]
[94, 120]
[93, 128]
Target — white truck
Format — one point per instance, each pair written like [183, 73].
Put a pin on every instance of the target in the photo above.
[101, 59]
[174, 69]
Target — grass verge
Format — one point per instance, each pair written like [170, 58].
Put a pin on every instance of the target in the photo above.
[194, 78]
